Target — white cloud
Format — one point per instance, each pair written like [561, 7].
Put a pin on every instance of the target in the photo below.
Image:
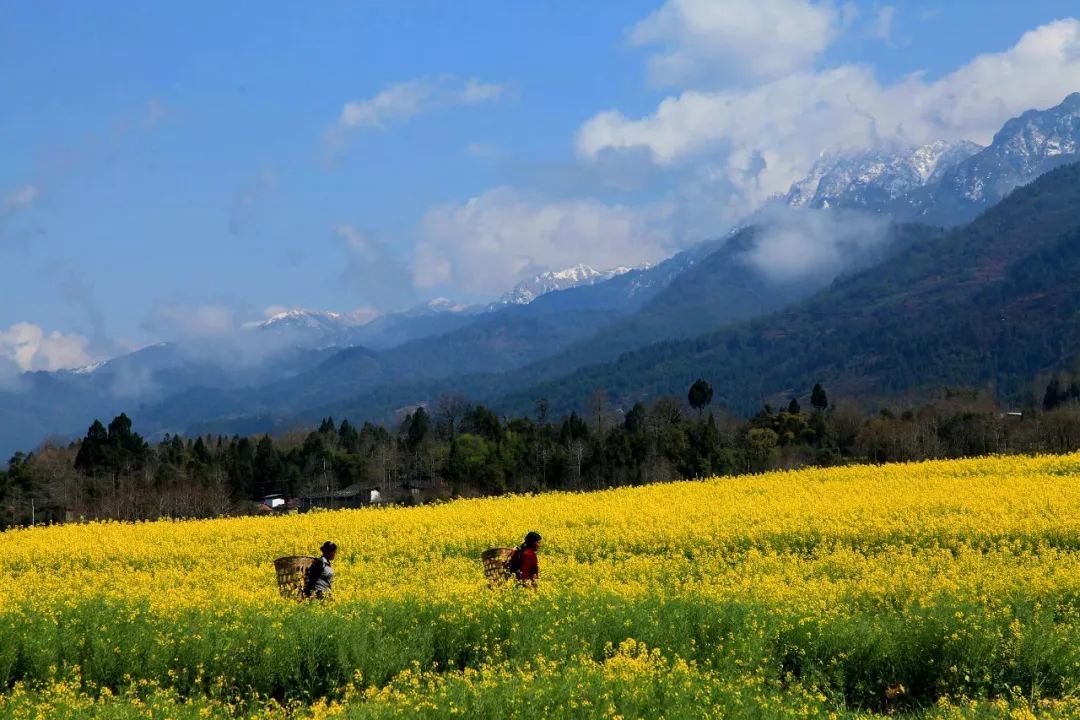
[704, 41]
[198, 322]
[408, 99]
[491, 241]
[31, 348]
[765, 137]
[377, 276]
[248, 198]
[19, 199]
[793, 244]
[883, 25]
[12, 204]
[11, 375]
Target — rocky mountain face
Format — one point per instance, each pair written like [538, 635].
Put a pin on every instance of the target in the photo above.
[1025, 148]
[944, 183]
[875, 179]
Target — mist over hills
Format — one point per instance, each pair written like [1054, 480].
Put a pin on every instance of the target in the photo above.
[991, 303]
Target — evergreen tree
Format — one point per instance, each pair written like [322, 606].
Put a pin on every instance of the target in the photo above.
[700, 395]
[1053, 397]
[418, 426]
[818, 399]
[92, 456]
[200, 452]
[116, 450]
[348, 437]
[267, 473]
[542, 409]
[242, 468]
[483, 422]
[127, 448]
[634, 422]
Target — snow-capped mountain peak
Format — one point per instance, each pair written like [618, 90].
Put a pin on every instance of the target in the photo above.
[299, 319]
[442, 304]
[314, 328]
[88, 369]
[944, 183]
[1024, 148]
[868, 178]
[531, 288]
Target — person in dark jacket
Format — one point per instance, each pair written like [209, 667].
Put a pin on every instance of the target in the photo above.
[528, 568]
[319, 580]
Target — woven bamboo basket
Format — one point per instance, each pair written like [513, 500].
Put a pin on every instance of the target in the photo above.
[495, 561]
[290, 574]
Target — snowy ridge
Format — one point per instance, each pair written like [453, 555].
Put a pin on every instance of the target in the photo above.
[577, 276]
[314, 319]
[87, 369]
[1024, 148]
[944, 183]
[869, 178]
[436, 306]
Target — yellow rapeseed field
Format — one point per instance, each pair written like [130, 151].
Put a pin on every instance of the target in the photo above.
[945, 588]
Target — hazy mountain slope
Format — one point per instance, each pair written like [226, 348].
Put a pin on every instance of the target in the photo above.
[931, 314]
[65, 402]
[993, 302]
[392, 330]
[714, 289]
[498, 342]
[169, 387]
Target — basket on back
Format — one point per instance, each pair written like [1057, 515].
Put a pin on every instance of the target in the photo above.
[495, 561]
[290, 574]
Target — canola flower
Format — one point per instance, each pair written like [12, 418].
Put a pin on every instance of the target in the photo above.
[948, 587]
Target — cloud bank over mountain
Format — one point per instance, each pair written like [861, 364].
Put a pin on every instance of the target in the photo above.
[30, 347]
[480, 244]
[761, 138]
[757, 106]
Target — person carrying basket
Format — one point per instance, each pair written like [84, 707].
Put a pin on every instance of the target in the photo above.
[319, 578]
[523, 563]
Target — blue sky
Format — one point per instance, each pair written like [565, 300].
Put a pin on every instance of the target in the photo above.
[174, 170]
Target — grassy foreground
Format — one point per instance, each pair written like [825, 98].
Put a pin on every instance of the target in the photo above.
[943, 589]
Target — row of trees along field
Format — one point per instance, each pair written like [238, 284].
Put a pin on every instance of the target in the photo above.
[462, 449]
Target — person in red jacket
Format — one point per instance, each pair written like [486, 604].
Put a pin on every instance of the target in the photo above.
[524, 563]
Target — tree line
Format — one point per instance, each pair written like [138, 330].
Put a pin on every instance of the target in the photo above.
[459, 449]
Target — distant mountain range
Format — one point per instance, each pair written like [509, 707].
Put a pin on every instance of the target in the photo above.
[875, 320]
[369, 328]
